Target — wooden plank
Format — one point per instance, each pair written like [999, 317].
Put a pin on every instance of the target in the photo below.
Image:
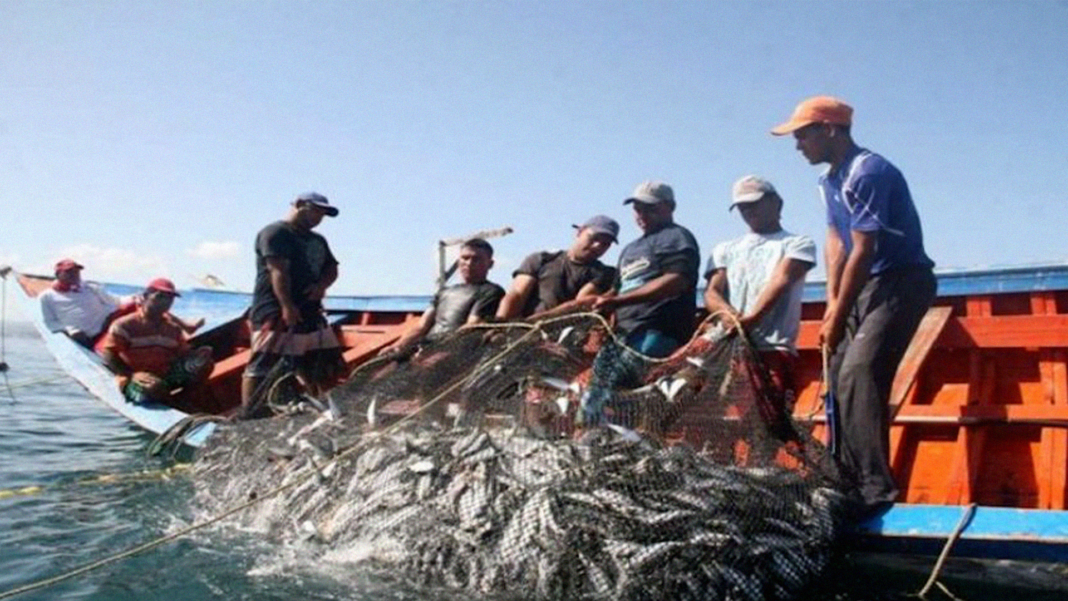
[923, 340]
[230, 365]
[371, 340]
[1055, 440]
[968, 449]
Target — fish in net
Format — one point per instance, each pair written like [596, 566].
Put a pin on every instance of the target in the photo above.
[474, 465]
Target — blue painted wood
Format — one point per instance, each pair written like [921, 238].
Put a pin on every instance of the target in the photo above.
[992, 533]
[981, 280]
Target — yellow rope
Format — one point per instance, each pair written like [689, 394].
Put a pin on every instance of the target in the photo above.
[141, 476]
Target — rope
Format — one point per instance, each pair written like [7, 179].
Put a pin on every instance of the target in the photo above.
[961, 525]
[824, 385]
[608, 328]
[35, 381]
[141, 476]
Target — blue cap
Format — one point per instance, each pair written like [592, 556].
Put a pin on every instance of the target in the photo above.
[601, 224]
[318, 200]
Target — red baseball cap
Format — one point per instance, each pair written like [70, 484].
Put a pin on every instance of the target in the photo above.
[818, 109]
[163, 285]
[66, 265]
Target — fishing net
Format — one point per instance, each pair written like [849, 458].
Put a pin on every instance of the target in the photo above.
[547, 461]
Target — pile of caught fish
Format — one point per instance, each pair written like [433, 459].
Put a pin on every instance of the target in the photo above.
[607, 517]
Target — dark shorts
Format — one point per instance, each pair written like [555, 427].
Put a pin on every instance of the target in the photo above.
[310, 348]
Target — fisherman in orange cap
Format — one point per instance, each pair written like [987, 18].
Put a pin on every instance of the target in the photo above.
[879, 285]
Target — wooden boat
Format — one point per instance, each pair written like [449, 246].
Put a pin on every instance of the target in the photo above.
[363, 329]
[981, 401]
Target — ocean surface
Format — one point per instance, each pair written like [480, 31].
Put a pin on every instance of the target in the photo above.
[76, 487]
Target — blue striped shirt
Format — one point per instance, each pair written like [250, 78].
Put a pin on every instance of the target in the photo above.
[866, 193]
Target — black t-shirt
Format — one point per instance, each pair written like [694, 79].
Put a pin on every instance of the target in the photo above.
[559, 279]
[309, 256]
[453, 305]
[672, 249]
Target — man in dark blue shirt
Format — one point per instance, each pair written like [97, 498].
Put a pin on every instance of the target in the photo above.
[879, 285]
[657, 278]
[656, 300]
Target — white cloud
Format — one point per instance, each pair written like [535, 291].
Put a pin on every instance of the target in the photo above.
[216, 250]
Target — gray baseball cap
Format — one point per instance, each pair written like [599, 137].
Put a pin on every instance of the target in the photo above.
[601, 224]
[750, 189]
[651, 192]
[318, 200]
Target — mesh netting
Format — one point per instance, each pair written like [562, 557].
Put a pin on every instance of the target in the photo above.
[548, 461]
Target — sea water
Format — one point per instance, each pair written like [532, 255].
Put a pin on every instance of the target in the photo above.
[76, 487]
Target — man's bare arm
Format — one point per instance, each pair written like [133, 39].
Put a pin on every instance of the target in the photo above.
[855, 274]
[413, 336]
[665, 286]
[715, 301]
[278, 268]
[835, 256]
[513, 302]
[787, 272]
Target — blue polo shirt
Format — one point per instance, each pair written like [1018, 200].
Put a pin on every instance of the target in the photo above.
[868, 194]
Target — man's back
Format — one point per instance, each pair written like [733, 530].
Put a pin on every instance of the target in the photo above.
[867, 193]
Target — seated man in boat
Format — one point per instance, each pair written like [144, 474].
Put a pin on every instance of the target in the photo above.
[551, 280]
[294, 269]
[149, 353]
[758, 279]
[473, 301]
[82, 310]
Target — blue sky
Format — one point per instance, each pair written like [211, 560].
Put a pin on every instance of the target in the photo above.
[156, 138]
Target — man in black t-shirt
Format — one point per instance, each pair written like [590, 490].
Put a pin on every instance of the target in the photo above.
[294, 268]
[473, 301]
[551, 280]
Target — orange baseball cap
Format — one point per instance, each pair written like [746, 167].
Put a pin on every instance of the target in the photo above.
[818, 109]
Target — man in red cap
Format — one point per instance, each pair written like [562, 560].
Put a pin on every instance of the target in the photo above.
[879, 285]
[78, 309]
[148, 352]
[84, 310]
